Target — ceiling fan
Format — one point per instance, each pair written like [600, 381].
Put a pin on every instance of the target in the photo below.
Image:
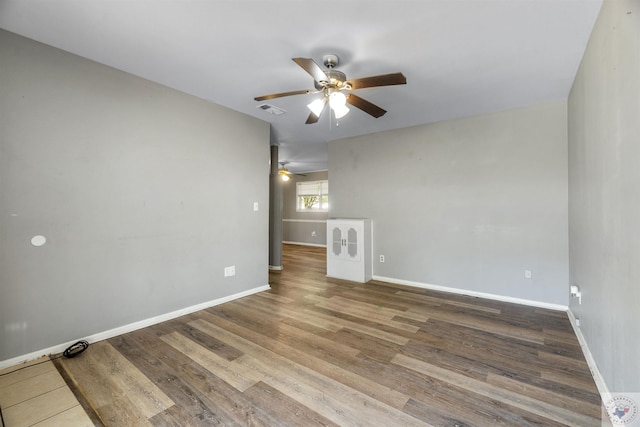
[333, 84]
[284, 173]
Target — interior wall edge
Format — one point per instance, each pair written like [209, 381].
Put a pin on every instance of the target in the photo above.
[502, 298]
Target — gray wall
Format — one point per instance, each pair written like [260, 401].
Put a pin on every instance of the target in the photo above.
[144, 194]
[467, 204]
[298, 227]
[604, 188]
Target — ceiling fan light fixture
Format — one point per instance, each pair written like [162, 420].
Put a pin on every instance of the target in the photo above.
[316, 106]
[284, 173]
[337, 100]
[338, 103]
[340, 111]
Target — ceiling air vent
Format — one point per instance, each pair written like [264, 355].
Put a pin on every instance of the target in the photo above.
[272, 109]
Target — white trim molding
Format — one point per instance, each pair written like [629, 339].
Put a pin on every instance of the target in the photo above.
[130, 327]
[275, 267]
[305, 244]
[540, 304]
[321, 221]
[605, 394]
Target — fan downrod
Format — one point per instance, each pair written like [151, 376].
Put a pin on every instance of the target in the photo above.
[330, 61]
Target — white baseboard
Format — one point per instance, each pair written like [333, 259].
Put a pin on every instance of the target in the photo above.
[305, 244]
[540, 304]
[605, 394]
[130, 327]
[319, 221]
[275, 267]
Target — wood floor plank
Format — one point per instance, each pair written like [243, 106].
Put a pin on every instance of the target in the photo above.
[474, 415]
[241, 380]
[375, 297]
[483, 324]
[289, 412]
[302, 315]
[553, 412]
[221, 403]
[93, 381]
[332, 371]
[321, 351]
[578, 381]
[464, 349]
[364, 311]
[564, 361]
[300, 339]
[188, 408]
[129, 381]
[445, 301]
[544, 395]
[278, 298]
[329, 398]
[365, 329]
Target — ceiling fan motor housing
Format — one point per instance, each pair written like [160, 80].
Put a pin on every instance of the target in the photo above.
[336, 80]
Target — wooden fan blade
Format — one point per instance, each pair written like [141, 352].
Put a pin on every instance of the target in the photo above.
[280, 95]
[365, 106]
[310, 66]
[312, 117]
[382, 80]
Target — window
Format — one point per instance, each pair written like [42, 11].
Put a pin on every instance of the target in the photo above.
[312, 196]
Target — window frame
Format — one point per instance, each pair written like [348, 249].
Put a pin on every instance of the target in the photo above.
[321, 184]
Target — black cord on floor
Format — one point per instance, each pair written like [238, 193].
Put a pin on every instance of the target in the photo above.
[71, 351]
[75, 349]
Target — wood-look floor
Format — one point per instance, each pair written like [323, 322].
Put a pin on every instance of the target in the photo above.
[314, 351]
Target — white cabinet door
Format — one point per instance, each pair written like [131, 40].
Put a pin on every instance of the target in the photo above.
[349, 249]
[345, 241]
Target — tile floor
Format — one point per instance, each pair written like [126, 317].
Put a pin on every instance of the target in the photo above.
[38, 396]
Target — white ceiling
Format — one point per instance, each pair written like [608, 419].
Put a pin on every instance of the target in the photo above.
[460, 57]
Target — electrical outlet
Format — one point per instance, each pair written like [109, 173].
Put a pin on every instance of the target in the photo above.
[528, 274]
[314, 234]
[230, 271]
[255, 206]
[381, 258]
